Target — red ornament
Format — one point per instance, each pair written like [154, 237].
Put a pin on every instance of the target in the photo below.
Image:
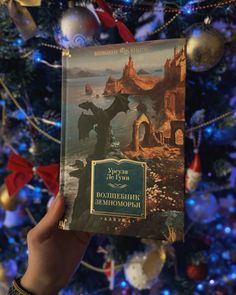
[108, 21]
[197, 272]
[109, 271]
[221, 291]
[194, 173]
[23, 171]
[107, 265]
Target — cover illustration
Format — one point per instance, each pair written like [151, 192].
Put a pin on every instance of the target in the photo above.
[122, 158]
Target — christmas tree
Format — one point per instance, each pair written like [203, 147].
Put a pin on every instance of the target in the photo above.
[32, 38]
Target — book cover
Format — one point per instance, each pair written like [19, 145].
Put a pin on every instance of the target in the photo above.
[122, 158]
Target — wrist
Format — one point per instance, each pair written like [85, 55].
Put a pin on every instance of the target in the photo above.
[17, 289]
[37, 286]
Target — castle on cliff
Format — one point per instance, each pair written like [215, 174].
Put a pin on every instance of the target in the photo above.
[129, 70]
[174, 68]
[130, 82]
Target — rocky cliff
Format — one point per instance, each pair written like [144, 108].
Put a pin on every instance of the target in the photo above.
[130, 82]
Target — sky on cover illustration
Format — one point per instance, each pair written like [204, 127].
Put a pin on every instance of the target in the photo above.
[112, 57]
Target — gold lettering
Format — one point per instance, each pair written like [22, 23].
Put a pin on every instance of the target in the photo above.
[118, 203]
[119, 196]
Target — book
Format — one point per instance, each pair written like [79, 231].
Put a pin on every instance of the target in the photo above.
[122, 156]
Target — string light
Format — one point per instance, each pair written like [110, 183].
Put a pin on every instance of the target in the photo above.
[18, 42]
[23, 147]
[123, 284]
[214, 257]
[11, 240]
[227, 230]
[209, 130]
[37, 56]
[219, 226]
[2, 103]
[49, 122]
[200, 287]
[31, 187]
[37, 189]
[233, 276]
[55, 66]
[58, 124]
[211, 282]
[231, 209]
[18, 114]
[187, 9]
[226, 255]
[190, 202]
[166, 292]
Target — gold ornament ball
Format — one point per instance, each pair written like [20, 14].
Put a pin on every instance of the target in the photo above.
[3, 277]
[8, 202]
[154, 263]
[205, 48]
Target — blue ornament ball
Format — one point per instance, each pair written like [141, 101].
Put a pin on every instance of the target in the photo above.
[202, 208]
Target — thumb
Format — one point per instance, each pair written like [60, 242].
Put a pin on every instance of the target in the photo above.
[50, 221]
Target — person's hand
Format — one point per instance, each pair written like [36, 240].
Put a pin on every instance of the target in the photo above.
[54, 254]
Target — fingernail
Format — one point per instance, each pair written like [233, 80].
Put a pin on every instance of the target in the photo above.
[52, 204]
[59, 199]
[54, 201]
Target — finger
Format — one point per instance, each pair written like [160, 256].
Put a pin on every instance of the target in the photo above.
[50, 221]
